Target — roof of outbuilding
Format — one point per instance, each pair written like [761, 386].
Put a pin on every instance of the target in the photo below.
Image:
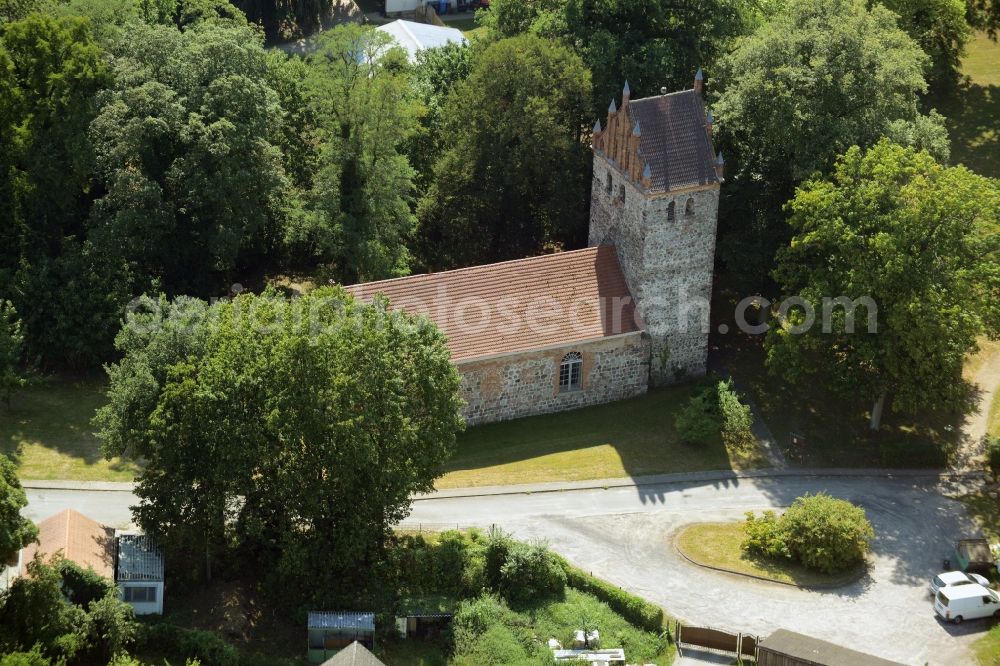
[341, 620]
[521, 305]
[674, 141]
[139, 558]
[415, 37]
[354, 654]
[814, 651]
[81, 540]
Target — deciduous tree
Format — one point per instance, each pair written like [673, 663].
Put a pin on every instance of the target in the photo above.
[16, 531]
[919, 239]
[515, 174]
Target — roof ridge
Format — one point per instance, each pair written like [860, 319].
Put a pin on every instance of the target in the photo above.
[452, 271]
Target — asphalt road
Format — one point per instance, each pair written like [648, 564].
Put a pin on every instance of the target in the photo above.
[624, 535]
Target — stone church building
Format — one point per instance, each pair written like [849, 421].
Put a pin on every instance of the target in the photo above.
[584, 327]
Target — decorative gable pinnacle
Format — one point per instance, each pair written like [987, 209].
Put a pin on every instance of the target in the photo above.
[611, 107]
[597, 126]
[635, 130]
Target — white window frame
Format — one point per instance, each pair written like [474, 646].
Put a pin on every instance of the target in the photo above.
[571, 372]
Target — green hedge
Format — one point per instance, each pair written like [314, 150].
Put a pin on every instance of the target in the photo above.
[635, 610]
[208, 648]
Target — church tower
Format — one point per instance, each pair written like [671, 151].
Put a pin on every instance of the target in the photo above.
[655, 197]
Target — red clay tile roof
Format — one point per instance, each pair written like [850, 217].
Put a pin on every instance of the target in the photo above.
[81, 540]
[520, 305]
[673, 140]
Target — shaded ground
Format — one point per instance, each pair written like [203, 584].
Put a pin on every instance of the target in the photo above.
[973, 111]
[47, 432]
[628, 438]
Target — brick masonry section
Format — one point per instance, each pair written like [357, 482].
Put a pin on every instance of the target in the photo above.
[510, 387]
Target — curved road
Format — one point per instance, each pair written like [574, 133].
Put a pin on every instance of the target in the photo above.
[623, 534]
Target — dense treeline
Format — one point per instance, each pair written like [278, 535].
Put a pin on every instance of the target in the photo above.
[158, 146]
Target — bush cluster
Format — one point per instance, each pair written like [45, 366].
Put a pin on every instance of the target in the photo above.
[717, 409]
[818, 531]
[206, 647]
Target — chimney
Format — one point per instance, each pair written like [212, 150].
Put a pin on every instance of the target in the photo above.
[709, 121]
[720, 167]
[699, 80]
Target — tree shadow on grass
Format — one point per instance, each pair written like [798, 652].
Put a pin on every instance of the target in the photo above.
[973, 121]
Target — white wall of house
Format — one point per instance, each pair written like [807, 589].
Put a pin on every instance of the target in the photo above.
[145, 597]
[9, 572]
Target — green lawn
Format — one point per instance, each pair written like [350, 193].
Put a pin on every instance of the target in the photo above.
[718, 545]
[627, 438]
[973, 111]
[47, 432]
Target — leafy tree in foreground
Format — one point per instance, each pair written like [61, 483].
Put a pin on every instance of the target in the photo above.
[515, 174]
[320, 415]
[922, 241]
[16, 531]
[820, 77]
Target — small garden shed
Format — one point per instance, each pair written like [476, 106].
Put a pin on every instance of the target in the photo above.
[788, 648]
[331, 631]
[139, 573]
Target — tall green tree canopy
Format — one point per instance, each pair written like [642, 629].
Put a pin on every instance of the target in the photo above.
[920, 239]
[295, 428]
[650, 44]
[515, 174]
[16, 531]
[820, 77]
[941, 30]
[11, 351]
[183, 147]
[359, 215]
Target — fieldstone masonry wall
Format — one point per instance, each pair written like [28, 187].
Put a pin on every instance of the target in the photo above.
[510, 387]
[667, 258]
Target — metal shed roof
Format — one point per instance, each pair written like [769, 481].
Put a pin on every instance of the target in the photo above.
[341, 620]
[139, 559]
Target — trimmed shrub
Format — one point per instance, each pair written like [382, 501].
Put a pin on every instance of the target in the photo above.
[698, 421]
[530, 572]
[993, 456]
[826, 534]
[764, 536]
[82, 586]
[635, 610]
[33, 658]
[736, 417]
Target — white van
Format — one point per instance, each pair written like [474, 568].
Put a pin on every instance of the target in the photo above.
[966, 602]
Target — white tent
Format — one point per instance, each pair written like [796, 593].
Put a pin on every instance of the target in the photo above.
[415, 37]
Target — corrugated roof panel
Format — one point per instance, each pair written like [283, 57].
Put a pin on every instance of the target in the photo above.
[354, 621]
[139, 558]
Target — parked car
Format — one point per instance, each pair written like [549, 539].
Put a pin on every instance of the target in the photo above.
[953, 578]
[966, 602]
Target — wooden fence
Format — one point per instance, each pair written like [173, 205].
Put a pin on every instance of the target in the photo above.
[739, 645]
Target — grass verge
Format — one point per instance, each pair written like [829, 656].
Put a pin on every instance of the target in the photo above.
[627, 438]
[46, 431]
[718, 545]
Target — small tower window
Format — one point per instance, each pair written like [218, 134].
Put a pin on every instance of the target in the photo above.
[689, 207]
[609, 185]
[670, 211]
[621, 193]
[570, 372]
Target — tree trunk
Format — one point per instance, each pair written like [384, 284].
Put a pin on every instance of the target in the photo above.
[208, 560]
[876, 421]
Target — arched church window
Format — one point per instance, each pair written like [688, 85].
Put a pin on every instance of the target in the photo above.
[670, 211]
[570, 372]
[609, 185]
[689, 207]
